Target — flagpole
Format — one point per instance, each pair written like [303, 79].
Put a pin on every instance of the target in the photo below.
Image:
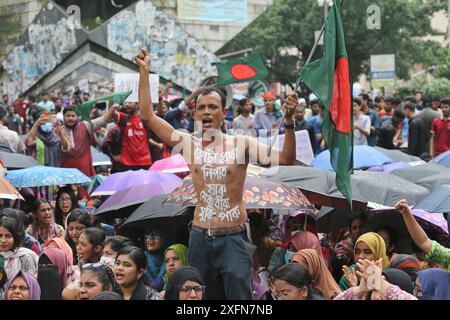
[297, 85]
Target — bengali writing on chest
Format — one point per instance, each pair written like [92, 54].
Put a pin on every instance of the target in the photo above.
[214, 170]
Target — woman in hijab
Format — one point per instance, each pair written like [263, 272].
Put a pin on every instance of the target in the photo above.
[322, 277]
[399, 278]
[406, 263]
[433, 284]
[156, 241]
[44, 227]
[26, 240]
[176, 256]
[53, 273]
[22, 286]
[299, 241]
[185, 284]
[370, 246]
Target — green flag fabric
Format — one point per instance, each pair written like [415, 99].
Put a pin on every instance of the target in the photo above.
[329, 79]
[84, 109]
[241, 69]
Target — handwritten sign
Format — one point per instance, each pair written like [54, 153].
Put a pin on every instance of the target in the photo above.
[130, 82]
[304, 150]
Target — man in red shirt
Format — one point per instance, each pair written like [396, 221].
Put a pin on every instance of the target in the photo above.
[135, 153]
[21, 106]
[440, 130]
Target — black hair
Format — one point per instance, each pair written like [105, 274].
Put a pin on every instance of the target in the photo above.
[117, 243]
[44, 93]
[396, 101]
[378, 99]
[104, 275]
[79, 216]
[391, 232]
[445, 100]
[357, 100]
[10, 225]
[388, 99]
[426, 157]
[207, 91]
[364, 96]
[58, 212]
[360, 216]
[411, 99]
[410, 107]
[399, 114]
[297, 275]
[435, 97]
[137, 255]
[95, 236]
[5, 95]
[37, 203]
[69, 108]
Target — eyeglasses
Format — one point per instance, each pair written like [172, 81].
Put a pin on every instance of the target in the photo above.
[197, 289]
[153, 236]
[92, 265]
[21, 288]
[283, 294]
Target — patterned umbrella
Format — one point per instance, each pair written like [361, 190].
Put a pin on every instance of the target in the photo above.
[259, 193]
[40, 176]
[7, 190]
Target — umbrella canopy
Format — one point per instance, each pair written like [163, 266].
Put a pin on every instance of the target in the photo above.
[437, 201]
[46, 176]
[99, 158]
[397, 155]
[96, 181]
[133, 196]
[17, 160]
[386, 189]
[127, 179]
[173, 164]
[317, 184]
[429, 175]
[363, 157]
[154, 209]
[259, 193]
[332, 219]
[433, 224]
[394, 166]
[443, 159]
[7, 190]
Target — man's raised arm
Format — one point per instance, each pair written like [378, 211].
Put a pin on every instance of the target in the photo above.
[159, 126]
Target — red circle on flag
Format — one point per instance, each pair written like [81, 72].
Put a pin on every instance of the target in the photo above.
[242, 71]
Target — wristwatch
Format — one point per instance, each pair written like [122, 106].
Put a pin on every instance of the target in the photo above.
[289, 126]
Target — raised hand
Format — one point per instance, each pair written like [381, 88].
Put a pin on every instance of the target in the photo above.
[290, 105]
[402, 206]
[143, 59]
[350, 276]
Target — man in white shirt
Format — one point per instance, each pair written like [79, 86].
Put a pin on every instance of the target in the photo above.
[9, 137]
[361, 124]
[243, 124]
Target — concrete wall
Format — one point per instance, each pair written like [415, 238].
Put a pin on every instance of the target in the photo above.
[214, 35]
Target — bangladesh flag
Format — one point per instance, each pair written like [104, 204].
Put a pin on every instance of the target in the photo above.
[329, 79]
[84, 109]
[241, 69]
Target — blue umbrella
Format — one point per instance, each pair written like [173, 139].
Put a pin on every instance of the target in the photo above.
[443, 159]
[437, 201]
[99, 158]
[40, 176]
[363, 157]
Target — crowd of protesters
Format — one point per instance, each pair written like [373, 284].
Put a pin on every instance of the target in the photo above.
[53, 248]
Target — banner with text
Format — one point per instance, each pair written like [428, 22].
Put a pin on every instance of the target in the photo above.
[130, 82]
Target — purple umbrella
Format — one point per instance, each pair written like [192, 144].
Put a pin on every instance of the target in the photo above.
[128, 179]
[134, 196]
[387, 168]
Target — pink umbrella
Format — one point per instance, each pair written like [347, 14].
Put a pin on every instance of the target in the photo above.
[173, 164]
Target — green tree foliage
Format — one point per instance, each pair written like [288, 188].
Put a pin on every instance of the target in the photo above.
[291, 23]
[440, 86]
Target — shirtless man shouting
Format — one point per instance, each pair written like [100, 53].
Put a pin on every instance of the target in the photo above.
[218, 165]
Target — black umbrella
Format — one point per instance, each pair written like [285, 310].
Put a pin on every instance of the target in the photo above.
[429, 175]
[386, 189]
[17, 160]
[333, 219]
[154, 210]
[317, 184]
[397, 155]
